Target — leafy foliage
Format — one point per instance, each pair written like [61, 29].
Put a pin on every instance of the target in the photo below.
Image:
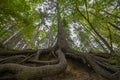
[37, 18]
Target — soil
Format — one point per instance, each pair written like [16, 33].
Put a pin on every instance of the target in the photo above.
[76, 71]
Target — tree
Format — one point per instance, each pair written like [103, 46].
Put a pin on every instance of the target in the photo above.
[60, 46]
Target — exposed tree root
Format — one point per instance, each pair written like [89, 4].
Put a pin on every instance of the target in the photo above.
[26, 73]
[101, 66]
[5, 52]
[16, 52]
[98, 69]
[11, 58]
[38, 54]
[27, 58]
[43, 62]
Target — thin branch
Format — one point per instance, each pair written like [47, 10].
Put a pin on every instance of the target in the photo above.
[104, 41]
[115, 26]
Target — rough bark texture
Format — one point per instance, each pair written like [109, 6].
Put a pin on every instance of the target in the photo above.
[27, 73]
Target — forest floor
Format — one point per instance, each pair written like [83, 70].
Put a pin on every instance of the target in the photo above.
[76, 71]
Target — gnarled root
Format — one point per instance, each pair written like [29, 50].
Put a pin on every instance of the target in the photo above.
[23, 72]
[12, 58]
[98, 62]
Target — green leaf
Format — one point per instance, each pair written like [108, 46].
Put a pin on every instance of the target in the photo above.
[42, 34]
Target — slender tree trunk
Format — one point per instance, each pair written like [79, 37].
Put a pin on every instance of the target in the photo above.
[115, 26]
[104, 41]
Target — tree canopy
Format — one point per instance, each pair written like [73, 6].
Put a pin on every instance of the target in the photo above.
[90, 25]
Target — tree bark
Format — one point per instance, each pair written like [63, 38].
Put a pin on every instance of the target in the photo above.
[115, 26]
[26, 72]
